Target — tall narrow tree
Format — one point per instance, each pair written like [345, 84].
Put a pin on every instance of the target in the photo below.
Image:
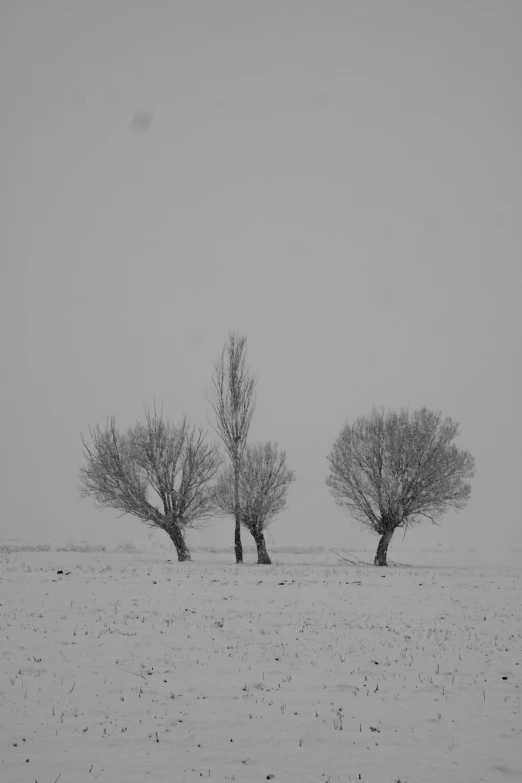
[234, 405]
[391, 470]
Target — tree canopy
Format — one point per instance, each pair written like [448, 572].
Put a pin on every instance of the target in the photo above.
[263, 487]
[157, 471]
[392, 470]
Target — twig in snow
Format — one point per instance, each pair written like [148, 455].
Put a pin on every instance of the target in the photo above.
[399, 565]
[136, 674]
[354, 560]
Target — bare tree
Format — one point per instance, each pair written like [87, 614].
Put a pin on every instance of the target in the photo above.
[391, 470]
[157, 471]
[234, 406]
[263, 488]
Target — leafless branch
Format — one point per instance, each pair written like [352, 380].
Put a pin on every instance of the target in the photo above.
[234, 401]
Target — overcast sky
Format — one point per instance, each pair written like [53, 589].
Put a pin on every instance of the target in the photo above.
[341, 181]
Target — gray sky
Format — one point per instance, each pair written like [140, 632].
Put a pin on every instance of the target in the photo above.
[341, 181]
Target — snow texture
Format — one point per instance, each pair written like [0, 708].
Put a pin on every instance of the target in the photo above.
[128, 667]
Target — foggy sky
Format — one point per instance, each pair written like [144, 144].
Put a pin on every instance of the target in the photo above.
[341, 181]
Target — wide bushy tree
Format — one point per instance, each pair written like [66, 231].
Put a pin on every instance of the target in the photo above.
[157, 471]
[392, 470]
[262, 491]
[234, 405]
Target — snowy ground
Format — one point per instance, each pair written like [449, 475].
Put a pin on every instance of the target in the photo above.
[131, 668]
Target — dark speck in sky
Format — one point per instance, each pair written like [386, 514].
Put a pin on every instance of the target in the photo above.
[141, 122]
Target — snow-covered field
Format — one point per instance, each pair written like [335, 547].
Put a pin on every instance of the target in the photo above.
[127, 667]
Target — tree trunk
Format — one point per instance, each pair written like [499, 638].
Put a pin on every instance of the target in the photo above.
[238, 547]
[176, 536]
[237, 533]
[262, 554]
[382, 549]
